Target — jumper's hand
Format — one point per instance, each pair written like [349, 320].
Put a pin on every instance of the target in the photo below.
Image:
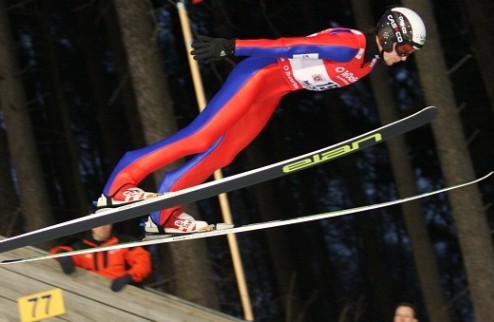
[212, 49]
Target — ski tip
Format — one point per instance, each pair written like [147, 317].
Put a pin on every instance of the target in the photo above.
[487, 175]
[432, 110]
[431, 107]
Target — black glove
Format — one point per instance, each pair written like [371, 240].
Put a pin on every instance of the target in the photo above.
[66, 264]
[212, 49]
[119, 283]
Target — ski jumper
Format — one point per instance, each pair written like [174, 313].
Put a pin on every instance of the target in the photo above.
[328, 59]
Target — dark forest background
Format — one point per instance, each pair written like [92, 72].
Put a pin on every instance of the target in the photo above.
[80, 87]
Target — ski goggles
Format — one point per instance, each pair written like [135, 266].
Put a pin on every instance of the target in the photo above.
[404, 50]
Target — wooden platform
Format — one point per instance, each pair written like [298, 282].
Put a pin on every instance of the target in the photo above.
[87, 296]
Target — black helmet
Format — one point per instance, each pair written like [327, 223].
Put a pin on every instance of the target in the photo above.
[403, 26]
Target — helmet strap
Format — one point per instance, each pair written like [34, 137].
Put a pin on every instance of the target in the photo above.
[381, 54]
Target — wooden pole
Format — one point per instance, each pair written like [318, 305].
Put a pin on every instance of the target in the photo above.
[223, 199]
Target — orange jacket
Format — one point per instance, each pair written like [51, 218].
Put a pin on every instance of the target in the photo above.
[112, 264]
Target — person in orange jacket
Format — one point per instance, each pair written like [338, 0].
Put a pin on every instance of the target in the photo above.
[123, 266]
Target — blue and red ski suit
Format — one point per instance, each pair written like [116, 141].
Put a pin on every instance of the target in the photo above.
[237, 113]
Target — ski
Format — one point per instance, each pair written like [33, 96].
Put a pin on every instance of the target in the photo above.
[245, 228]
[213, 188]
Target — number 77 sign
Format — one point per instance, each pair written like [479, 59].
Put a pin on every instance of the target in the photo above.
[40, 306]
